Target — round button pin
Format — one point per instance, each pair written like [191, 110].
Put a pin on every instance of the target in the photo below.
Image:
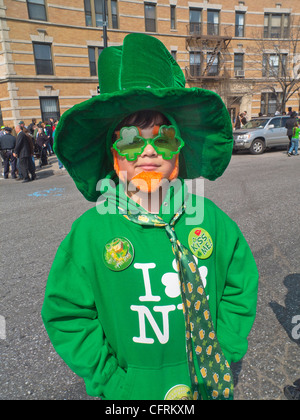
[118, 254]
[200, 243]
[179, 392]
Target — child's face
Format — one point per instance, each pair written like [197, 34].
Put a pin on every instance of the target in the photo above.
[149, 160]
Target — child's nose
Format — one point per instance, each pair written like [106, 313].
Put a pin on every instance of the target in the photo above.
[149, 151]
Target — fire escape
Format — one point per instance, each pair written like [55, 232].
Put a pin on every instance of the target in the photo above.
[208, 54]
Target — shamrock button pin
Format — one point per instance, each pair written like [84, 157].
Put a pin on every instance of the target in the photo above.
[118, 254]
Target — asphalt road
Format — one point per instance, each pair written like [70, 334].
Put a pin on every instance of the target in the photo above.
[261, 193]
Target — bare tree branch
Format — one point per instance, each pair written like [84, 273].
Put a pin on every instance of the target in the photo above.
[279, 61]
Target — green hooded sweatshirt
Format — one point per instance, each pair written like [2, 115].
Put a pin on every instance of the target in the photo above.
[118, 323]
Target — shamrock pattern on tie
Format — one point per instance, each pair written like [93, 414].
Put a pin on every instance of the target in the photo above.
[204, 353]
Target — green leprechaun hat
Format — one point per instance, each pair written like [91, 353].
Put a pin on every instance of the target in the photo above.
[142, 75]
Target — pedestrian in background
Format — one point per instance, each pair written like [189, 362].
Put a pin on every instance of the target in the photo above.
[245, 119]
[32, 126]
[238, 123]
[7, 145]
[295, 140]
[23, 151]
[31, 162]
[42, 141]
[60, 165]
[22, 125]
[47, 133]
[289, 125]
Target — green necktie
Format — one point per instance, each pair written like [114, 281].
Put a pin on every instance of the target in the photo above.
[203, 348]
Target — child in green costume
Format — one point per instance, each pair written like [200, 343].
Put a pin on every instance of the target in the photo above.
[153, 293]
[295, 139]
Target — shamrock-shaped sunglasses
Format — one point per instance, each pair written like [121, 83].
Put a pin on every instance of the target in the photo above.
[131, 144]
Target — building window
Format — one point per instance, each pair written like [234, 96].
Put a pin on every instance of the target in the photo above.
[212, 64]
[88, 13]
[36, 9]
[274, 65]
[270, 102]
[173, 16]
[195, 21]
[212, 22]
[99, 13]
[43, 58]
[195, 63]
[94, 53]
[276, 25]
[238, 62]
[49, 108]
[94, 13]
[239, 24]
[174, 54]
[150, 17]
[92, 60]
[114, 14]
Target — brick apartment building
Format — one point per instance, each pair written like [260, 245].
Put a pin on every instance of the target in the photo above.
[247, 51]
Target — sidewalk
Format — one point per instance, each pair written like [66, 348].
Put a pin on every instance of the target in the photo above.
[45, 171]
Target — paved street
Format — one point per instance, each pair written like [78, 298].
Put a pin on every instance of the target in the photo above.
[261, 193]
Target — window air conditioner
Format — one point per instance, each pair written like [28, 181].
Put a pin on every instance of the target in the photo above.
[240, 73]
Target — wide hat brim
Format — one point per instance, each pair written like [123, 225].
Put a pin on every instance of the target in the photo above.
[83, 135]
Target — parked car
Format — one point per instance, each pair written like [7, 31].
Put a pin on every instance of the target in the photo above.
[261, 133]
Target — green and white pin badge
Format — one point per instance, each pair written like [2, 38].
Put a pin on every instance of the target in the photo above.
[118, 254]
[200, 243]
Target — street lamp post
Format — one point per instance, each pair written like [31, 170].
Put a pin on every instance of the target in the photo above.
[104, 19]
[104, 23]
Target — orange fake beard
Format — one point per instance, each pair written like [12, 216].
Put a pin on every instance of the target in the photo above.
[147, 181]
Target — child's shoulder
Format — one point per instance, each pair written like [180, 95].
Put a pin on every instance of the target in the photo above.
[87, 227]
[203, 210]
[94, 217]
[207, 205]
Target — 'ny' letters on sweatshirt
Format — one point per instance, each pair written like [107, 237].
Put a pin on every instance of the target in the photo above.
[172, 290]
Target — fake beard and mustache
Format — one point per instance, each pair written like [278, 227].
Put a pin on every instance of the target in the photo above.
[147, 181]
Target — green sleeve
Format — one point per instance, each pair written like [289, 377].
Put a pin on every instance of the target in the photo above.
[71, 320]
[237, 309]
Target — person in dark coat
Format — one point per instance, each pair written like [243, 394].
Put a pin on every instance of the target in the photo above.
[42, 141]
[289, 125]
[238, 122]
[31, 163]
[23, 151]
[32, 126]
[7, 145]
